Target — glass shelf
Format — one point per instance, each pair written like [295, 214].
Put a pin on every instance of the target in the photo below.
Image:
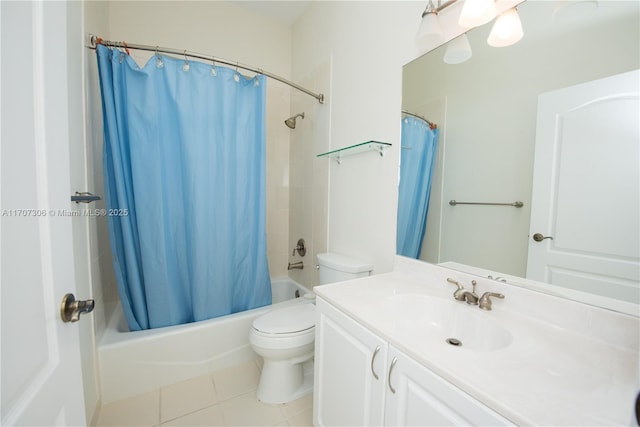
[356, 149]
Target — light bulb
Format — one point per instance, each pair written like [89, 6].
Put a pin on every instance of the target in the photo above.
[507, 29]
[477, 12]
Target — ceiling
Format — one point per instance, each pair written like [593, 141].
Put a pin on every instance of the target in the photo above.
[284, 11]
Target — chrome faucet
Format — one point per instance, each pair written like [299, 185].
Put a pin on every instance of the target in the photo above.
[471, 298]
[458, 294]
[295, 266]
[485, 300]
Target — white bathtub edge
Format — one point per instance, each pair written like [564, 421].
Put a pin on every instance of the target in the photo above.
[133, 363]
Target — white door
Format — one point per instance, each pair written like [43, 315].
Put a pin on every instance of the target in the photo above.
[349, 371]
[41, 371]
[418, 397]
[585, 216]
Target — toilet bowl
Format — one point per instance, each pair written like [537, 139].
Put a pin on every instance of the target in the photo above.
[285, 340]
[285, 337]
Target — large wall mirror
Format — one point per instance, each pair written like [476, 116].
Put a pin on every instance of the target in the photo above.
[486, 111]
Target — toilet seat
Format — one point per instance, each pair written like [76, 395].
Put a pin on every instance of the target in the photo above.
[290, 321]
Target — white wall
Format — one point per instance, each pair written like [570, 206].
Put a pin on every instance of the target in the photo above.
[96, 252]
[366, 44]
[488, 132]
[103, 278]
[309, 175]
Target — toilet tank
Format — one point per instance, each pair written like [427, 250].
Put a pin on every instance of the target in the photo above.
[337, 268]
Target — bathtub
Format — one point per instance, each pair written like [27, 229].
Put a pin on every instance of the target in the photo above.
[132, 363]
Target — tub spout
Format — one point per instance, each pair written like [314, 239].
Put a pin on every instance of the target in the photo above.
[295, 266]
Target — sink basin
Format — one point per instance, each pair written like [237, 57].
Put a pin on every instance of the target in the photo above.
[450, 323]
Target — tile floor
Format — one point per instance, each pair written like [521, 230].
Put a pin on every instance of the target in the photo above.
[223, 398]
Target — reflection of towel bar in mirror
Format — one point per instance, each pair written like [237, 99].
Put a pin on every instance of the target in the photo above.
[517, 204]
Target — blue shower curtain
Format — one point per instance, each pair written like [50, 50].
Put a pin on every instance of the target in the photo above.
[419, 145]
[184, 171]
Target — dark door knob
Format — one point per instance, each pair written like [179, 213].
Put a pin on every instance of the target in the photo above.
[539, 237]
[71, 309]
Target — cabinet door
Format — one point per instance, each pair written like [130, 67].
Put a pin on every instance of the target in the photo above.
[346, 391]
[423, 398]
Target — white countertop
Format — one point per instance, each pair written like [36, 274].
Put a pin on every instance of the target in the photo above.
[547, 360]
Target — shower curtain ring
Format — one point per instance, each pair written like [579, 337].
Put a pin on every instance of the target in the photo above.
[255, 78]
[213, 67]
[185, 67]
[236, 76]
[159, 62]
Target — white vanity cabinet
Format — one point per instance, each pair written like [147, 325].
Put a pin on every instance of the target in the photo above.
[348, 358]
[362, 380]
[415, 396]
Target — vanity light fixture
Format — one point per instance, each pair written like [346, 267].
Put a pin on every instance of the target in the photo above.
[507, 29]
[477, 12]
[458, 50]
[430, 32]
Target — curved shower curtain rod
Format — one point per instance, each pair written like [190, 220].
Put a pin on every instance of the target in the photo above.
[430, 123]
[95, 40]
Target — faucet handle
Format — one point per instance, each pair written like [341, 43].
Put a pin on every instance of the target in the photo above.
[455, 282]
[458, 294]
[302, 250]
[485, 300]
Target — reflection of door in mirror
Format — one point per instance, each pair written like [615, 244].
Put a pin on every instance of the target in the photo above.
[488, 123]
[586, 188]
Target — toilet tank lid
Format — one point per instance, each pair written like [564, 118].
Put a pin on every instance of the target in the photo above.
[343, 263]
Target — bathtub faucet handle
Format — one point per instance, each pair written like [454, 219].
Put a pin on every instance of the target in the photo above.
[302, 250]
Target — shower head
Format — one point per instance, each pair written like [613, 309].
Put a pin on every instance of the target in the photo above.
[291, 121]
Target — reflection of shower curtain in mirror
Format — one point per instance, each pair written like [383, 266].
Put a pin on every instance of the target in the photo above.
[184, 168]
[417, 159]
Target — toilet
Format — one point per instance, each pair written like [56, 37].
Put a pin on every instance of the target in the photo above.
[285, 337]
